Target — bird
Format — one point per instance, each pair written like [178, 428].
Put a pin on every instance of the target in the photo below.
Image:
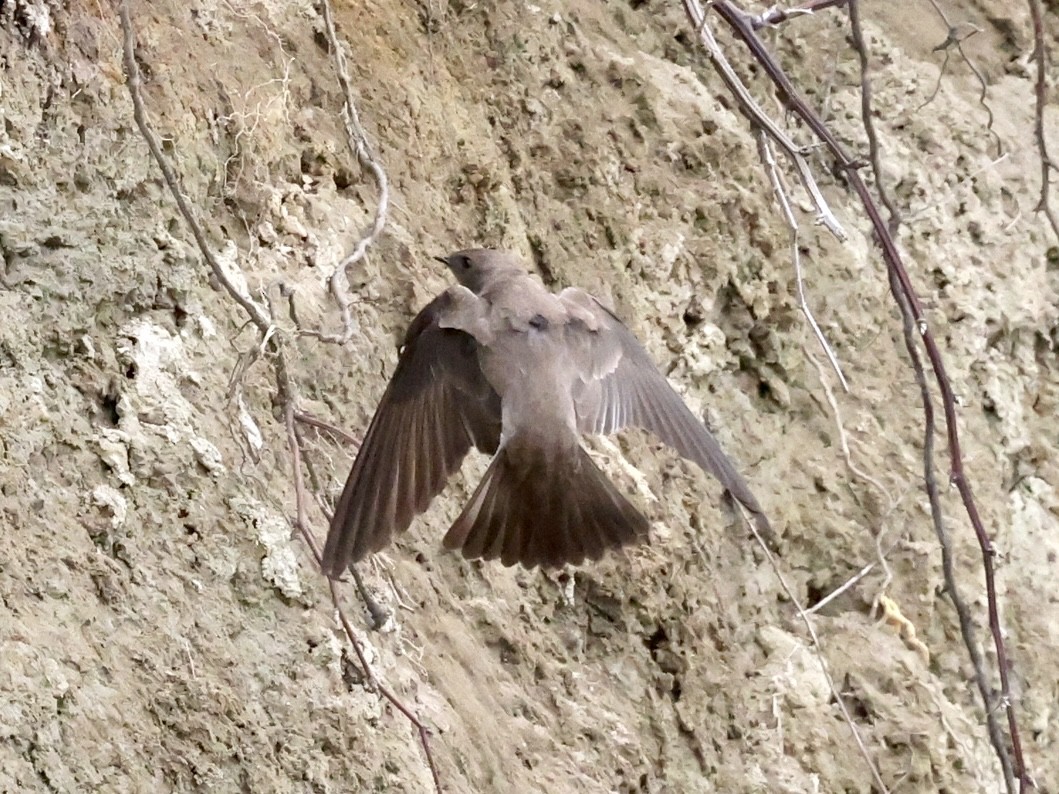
[500, 363]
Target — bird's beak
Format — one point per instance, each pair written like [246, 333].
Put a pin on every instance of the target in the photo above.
[443, 259]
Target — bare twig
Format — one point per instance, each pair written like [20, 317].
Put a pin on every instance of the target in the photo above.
[965, 183]
[302, 525]
[759, 118]
[1040, 56]
[843, 440]
[929, 478]
[954, 39]
[357, 139]
[765, 152]
[948, 569]
[378, 615]
[852, 581]
[776, 15]
[824, 667]
[741, 25]
[857, 34]
[320, 424]
[132, 70]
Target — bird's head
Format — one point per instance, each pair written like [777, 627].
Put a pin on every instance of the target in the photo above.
[475, 268]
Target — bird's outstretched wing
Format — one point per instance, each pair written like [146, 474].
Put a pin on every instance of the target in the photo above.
[437, 405]
[622, 387]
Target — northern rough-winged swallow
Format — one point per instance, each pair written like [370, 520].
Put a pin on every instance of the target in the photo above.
[500, 363]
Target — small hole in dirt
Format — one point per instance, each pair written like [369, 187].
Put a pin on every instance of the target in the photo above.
[813, 595]
[180, 315]
[343, 178]
[130, 372]
[108, 403]
[676, 690]
[656, 640]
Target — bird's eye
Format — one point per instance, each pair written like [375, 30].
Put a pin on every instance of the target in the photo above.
[465, 263]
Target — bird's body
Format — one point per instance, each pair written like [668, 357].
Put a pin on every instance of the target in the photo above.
[501, 363]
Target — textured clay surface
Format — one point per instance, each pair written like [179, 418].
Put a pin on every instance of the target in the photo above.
[160, 630]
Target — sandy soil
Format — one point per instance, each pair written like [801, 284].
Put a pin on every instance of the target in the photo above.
[160, 630]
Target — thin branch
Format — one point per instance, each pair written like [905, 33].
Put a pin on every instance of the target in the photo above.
[820, 657]
[843, 439]
[857, 34]
[302, 525]
[1040, 90]
[379, 616]
[776, 15]
[320, 424]
[937, 83]
[132, 71]
[357, 139]
[852, 581]
[765, 152]
[742, 27]
[948, 568]
[760, 119]
[967, 629]
[954, 39]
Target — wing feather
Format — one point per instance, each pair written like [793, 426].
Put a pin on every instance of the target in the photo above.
[436, 407]
[622, 387]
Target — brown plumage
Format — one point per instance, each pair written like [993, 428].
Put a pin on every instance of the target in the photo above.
[501, 364]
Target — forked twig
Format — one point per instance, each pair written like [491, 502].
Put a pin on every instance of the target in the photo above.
[954, 39]
[776, 178]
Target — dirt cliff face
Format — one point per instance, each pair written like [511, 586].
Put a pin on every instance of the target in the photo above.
[160, 630]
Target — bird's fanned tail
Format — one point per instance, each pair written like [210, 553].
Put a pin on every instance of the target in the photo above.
[539, 509]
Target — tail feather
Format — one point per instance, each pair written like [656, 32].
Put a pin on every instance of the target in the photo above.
[536, 508]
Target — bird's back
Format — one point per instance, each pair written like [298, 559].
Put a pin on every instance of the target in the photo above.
[527, 362]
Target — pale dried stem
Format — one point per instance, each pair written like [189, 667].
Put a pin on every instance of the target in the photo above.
[820, 657]
[843, 439]
[852, 581]
[357, 139]
[776, 15]
[776, 178]
[856, 471]
[760, 119]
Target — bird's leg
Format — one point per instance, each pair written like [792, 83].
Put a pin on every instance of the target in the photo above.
[379, 614]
